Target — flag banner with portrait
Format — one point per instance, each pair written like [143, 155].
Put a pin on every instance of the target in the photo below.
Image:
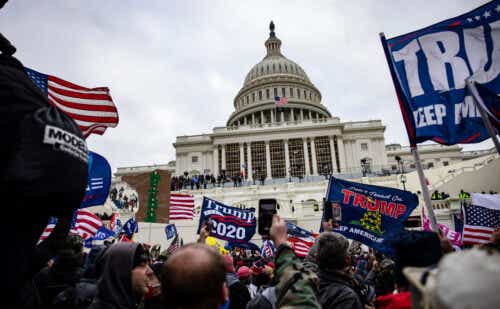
[226, 222]
[130, 228]
[430, 66]
[369, 214]
[98, 181]
[170, 231]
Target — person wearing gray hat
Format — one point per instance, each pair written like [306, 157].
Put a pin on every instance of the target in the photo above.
[338, 289]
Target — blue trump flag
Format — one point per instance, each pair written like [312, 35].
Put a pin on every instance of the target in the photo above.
[170, 230]
[131, 227]
[226, 222]
[98, 181]
[429, 68]
[370, 214]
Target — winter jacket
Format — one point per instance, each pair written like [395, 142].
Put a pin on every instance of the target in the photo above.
[297, 285]
[338, 290]
[114, 289]
[238, 292]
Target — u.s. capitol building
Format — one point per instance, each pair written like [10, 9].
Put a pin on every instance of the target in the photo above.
[300, 139]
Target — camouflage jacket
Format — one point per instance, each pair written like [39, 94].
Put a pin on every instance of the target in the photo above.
[297, 284]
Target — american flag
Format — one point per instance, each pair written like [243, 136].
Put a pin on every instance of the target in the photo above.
[301, 245]
[50, 226]
[91, 108]
[267, 249]
[175, 244]
[280, 101]
[480, 222]
[85, 223]
[301, 240]
[181, 206]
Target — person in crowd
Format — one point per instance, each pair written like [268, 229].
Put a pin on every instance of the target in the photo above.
[194, 277]
[83, 293]
[65, 272]
[297, 286]
[463, 194]
[153, 298]
[266, 293]
[338, 289]
[239, 296]
[125, 279]
[467, 279]
[245, 276]
[416, 249]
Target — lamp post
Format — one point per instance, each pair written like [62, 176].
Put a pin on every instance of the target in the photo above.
[403, 180]
[400, 163]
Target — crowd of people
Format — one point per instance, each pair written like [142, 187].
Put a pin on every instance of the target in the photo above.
[334, 274]
[196, 182]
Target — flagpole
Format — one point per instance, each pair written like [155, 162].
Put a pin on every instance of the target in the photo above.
[480, 106]
[425, 189]
[149, 237]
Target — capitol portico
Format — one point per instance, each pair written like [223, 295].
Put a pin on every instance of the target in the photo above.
[300, 139]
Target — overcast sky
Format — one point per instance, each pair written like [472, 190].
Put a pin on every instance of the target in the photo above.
[174, 67]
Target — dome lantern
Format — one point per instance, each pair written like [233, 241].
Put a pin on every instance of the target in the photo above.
[273, 44]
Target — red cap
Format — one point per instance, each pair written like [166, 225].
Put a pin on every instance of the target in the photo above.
[243, 272]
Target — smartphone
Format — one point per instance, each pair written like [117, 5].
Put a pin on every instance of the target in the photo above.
[267, 209]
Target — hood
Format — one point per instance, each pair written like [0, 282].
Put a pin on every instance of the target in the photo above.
[115, 284]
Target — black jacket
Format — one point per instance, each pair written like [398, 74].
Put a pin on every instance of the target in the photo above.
[338, 290]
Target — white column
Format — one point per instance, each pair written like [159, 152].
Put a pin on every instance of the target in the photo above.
[306, 158]
[223, 151]
[253, 118]
[272, 116]
[282, 116]
[313, 154]
[301, 114]
[249, 162]
[287, 158]
[291, 115]
[268, 161]
[215, 170]
[242, 157]
[245, 120]
[332, 153]
[310, 115]
[262, 117]
[340, 144]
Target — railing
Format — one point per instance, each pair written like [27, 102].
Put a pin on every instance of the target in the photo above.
[455, 172]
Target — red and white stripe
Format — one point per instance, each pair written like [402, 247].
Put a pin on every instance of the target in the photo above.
[87, 223]
[91, 108]
[46, 232]
[181, 206]
[300, 245]
[477, 234]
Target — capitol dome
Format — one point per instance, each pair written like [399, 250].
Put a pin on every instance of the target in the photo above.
[277, 65]
[276, 76]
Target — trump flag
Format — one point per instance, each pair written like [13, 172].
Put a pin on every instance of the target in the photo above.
[370, 214]
[430, 66]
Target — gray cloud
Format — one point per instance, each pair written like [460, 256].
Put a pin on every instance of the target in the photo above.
[174, 67]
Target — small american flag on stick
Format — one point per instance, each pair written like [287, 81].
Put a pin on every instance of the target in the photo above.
[481, 218]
